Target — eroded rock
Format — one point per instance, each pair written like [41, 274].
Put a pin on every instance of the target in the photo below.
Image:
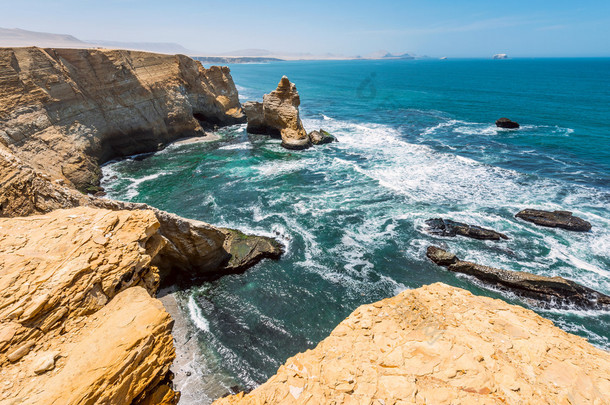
[439, 344]
[278, 115]
[82, 308]
[66, 111]
[447, 227]
[321, 137]
[555, 219]
[551, 291]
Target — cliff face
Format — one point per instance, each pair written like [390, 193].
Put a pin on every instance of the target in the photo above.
[65, 111]
[439, 344]
[78, 323]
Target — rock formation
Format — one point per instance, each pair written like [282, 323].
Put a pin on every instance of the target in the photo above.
[506, 123]
[321, 137]
[278, 115]
[447, 227]
[555, 219]
[549, 290]
[77, 321]
[65, 111]
[438, 345]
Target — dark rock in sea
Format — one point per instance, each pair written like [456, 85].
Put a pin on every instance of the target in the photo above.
[321, 137]
[506, 123]
[555, 219]
[447, 227]
[247, 250]
[440, 256]
[550, 290]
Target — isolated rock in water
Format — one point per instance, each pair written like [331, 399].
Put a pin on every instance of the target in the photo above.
[278, 115]
[438, 345]
[555, 219]
[440, 256]
[321, 137]
[447, 227]
[550, 290]
[506, 123]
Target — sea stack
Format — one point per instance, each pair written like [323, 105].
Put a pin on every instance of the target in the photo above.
[278, 115]
[506, 123]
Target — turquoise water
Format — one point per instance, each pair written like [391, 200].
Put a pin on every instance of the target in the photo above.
[416, 141]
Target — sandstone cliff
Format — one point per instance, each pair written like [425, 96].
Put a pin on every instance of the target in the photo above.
[440, 345]
[65, 111]
[78, 323]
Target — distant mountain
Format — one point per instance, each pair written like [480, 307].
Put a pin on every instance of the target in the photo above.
[17, 37]
[383, 54]
[158, 47]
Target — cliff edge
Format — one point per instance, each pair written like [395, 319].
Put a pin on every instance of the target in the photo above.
[437, 345]
[66, 111]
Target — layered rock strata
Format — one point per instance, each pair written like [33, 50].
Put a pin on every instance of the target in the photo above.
[549, 290]
[555, 219]
[78, 321]
[65, 111]
[447, 227]
[439, 345]
[278, 115]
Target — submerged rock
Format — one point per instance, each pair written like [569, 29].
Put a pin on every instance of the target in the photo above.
[438, 345]
[550, 290]
[555, 219]
[506, 123]
[278, 115]
[321, 137]
[447, 227]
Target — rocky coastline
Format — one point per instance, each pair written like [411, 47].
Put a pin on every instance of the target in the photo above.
[79, 260]
[79, 274]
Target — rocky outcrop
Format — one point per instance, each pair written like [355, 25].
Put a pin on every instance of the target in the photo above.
[77, 319]
[437, 345]
[447, 227]
[549, 290]
[555, 219]
[321, 137]
[278, 115]
[192, 249]
[65, 111]
[506, 123]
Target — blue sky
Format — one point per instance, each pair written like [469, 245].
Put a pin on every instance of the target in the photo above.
[436, 28]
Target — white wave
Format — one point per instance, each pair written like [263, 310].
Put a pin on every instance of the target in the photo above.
[196, 315]
[237, 146]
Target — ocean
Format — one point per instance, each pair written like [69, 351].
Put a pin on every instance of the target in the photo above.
[417, 140]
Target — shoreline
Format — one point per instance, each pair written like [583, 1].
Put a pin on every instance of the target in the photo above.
[192, 379]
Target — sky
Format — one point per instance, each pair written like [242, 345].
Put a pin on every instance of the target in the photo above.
[467, 28]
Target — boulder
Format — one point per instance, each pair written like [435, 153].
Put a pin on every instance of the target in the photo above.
[440, 256]
[278, 115]
[439, 345]
[555, 219]
[506, 123]
[549, 290]
[447, 227]
[321, 137]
